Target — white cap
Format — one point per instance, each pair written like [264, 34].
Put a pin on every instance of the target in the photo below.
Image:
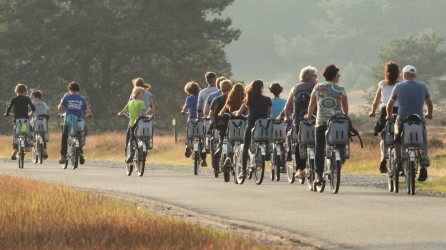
[409, 69]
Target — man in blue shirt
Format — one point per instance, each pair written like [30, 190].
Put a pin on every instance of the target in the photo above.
[411, 95]
[74, 105]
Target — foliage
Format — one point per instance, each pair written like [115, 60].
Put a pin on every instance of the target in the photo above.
[104, 44]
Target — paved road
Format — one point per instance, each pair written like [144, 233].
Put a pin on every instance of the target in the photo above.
[356, 217]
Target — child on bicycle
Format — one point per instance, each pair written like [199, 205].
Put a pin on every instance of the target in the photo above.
[74, 105]
[42, 110]
[136, 108]
[20, 103]
[192, 89]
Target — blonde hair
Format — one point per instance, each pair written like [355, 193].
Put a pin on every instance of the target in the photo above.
[225, 85]
[20, 88]
[136, 91]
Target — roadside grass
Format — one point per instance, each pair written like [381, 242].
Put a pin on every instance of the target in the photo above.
[110, 146]
[36, 215]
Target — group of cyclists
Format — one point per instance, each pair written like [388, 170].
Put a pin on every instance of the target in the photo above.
[309, 99]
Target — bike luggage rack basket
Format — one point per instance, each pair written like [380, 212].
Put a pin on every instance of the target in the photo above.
[22, 126]
[195, 129]
[40, 125]
[144, 129]
[236, 130]
[278, 131]
[307, 132]
[77, 129]
[337, 132]
[413, 134]
[262, 130]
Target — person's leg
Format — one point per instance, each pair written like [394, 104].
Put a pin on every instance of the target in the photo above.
[127, 139]
[246, 145]
[424, 159]
[64, 144]
[320, 149]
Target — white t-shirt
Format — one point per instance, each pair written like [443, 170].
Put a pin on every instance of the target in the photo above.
[386, 92]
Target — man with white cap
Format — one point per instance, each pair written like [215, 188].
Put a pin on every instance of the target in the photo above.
[412, 95]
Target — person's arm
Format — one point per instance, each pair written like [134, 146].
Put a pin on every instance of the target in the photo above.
[269, 111]
[199, 105]
[206, 109]
[289, 105]
[345, 104]
[11, 103]
[61, 108]
[241, 110]
[123, 111]
[223, 111]
[389, 109]
[430, 108]
[311, 106]
[376, 102]
[152, 109]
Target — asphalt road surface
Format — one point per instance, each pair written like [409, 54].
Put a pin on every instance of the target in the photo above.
[356, 217]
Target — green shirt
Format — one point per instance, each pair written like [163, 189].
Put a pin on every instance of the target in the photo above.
[135, 106]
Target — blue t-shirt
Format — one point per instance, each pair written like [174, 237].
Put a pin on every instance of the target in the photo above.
[74, 105]
[411, 96]
[212, 96]
[147, 97]
[191, 104]
[278, 105]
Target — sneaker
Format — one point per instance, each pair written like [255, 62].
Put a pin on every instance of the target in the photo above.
[187, 152]
[62, 159]
[423, 174]
[14, 155]
[81, 160]
[204, 163]
[129, 159]
[383, 167]
[288, 156]
[45, 154]
[300, 173]
[319, 179]
[242, 174]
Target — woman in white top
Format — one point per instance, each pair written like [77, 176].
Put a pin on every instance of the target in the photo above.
[382, 96]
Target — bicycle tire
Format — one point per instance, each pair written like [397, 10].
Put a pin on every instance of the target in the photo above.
[319, 188]
[226, 174]
[129, 168]
[21, 157]
[238, 160]
[310, 174]
[277, 165]
[259, 170]
[390, 173]
[141, 163]
[272, 169]
[75, 158]
[335, 174]
[196, 162]
[34, 155]
[40, 153]
[411, 178]
[290, 172]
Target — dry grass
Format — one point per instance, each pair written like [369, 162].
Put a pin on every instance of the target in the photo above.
[35, 215]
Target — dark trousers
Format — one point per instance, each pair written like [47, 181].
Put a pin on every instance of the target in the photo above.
[300, 163]
[320, 148]
[246, 145]
[129, 136]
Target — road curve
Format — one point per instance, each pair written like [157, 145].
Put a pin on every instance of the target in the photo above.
[356, 217]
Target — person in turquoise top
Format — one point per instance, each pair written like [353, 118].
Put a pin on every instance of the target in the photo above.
[331, 99]
[278, 103]
[136, 108]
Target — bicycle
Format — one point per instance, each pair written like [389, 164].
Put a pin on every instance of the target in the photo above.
[22, 133]
[140, 142]
[412, 140]
[307, 141]
[291, 149]
[40, 130]
[389, 149]
[76, 139]
[336, 152]
[195, 135]
[278, 138]
[211, 144]
[261, 136]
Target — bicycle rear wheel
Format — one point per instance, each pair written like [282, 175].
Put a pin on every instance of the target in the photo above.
[21, 157]
[40, 153]
[410, 178]
[277, 165]
[391, 165]
[335, 173]
[309, 173]
[259, 169]
[196, 162]
[141, 163]
[75, 157]
[34, 154]
[238, 160]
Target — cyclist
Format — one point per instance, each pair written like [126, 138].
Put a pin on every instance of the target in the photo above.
[297, 105]
[20, 103]
[258, 106]
[234, 100]
[214, 95]
[192, 89]
[211, 77]
[148, 97]
[217, 105]
[411, 96]
[278, 103]
[136, 108]
[382, 96]
[75, 107]
[43, 111]
[331, 99]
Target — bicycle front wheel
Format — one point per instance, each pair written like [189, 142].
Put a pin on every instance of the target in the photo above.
[259, 169]
[335, 173]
